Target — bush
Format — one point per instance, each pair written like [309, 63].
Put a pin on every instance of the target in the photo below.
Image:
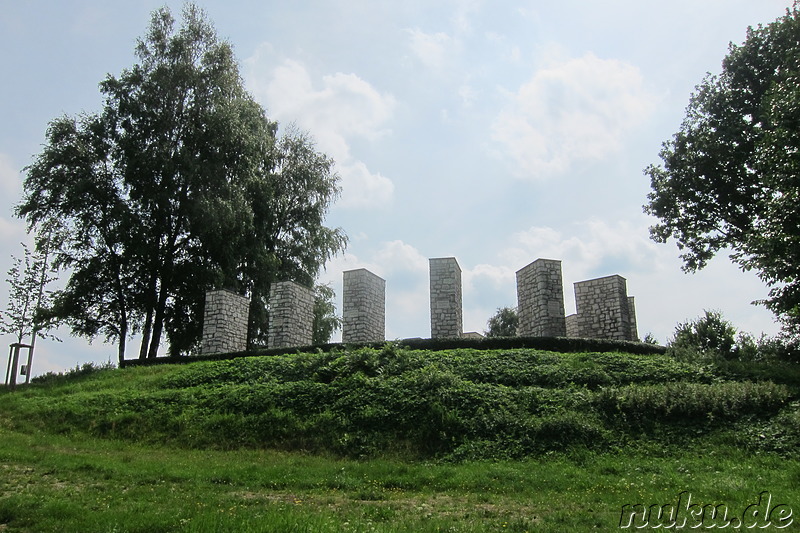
[87, 369]
[711, 338]
[504, 323]
[690, 403]
[705, 337]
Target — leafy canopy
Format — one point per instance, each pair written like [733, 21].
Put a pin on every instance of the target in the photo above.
[730, 177]
[504, 323]
[179, 185]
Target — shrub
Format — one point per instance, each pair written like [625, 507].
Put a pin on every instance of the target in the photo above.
[689, 403]
[503, 323]
[707, 336]
[87, 369]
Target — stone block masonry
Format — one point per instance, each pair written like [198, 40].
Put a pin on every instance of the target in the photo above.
[540, 300]
[224, 322]
[363, 306]
[603, 309]
[573, 328]
[632, 314]
[291, 315]
[445, 294]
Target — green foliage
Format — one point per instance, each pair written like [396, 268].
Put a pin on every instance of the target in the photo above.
[690, 403]
[181, 184]
[729, 176]
[326, 322]
[448, 404]
[503, 323]
[650, 339]
[27, 297]
[710, 336]
[86, 369]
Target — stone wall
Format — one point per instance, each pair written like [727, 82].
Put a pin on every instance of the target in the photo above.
[632, 315]
[540, 300]
[363, 306]
[291, 315]
[573, 327]
[603, 309]
[224, 322]
[445, 291]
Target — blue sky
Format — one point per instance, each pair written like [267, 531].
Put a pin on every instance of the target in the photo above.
[494, 132]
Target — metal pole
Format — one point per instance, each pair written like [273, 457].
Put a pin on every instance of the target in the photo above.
[14, 366]
[8, 369]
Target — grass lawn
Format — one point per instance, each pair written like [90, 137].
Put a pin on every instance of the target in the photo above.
[79, 484]
[403, 440]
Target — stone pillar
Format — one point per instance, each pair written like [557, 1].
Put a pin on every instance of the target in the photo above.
[632, 315]
[363, 306]
[602, 306]
[224, 322]
[446, 312]
[540, 300]
[573, 328]
[291, 315]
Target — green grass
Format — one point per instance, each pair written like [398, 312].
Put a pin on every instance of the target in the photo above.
[56, 483]
[394, 440]
[459, 404]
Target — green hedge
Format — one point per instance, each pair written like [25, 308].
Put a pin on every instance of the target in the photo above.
[552, 344]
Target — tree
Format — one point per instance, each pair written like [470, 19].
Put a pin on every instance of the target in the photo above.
[710, 334]
[27, 298]
[503, 323]
[325, 319]
[181, 184]
[27, 279]
[731, 175]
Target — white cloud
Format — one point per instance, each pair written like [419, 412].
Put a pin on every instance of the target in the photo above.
[468, 95]
[345, 107]
[591, 246]
[12, 232]
[578, 109]
[10, 181]
[466, 10]
[496, 276]
[434, 50]
[362, 188]
[399, 256]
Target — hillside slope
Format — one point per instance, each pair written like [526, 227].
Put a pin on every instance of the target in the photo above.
[449, 405]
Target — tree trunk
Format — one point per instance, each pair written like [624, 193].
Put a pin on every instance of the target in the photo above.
[123, 334]
[158, 324]
[148, 321]
[148, 325]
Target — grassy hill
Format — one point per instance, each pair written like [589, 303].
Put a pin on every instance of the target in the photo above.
[394, 439]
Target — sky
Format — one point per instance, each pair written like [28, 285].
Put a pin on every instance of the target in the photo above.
[493, 132]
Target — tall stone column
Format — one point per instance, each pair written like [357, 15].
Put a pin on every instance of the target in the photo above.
[603, 311]
[446, 311]
[363, 306]
[540, 300]
[224, 322]
[291, 315]
[632, 315]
